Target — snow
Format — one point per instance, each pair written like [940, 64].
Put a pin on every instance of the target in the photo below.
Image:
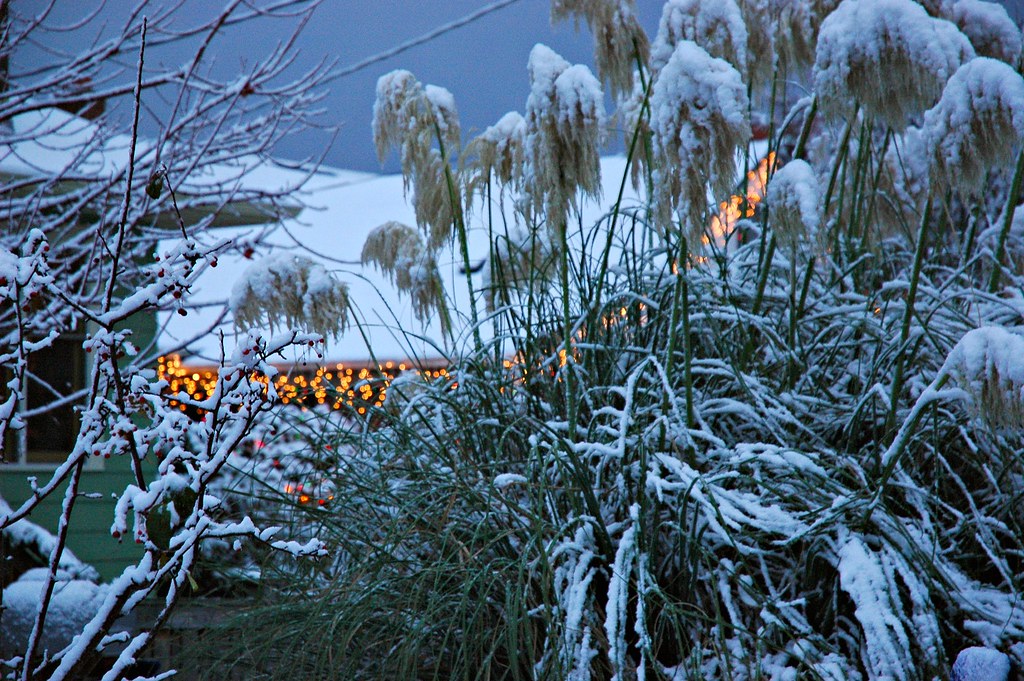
[794, 196]
[699, 120]
[988, 363]
[989, 28]
[718, 27]
[73, 604]
[980, 664]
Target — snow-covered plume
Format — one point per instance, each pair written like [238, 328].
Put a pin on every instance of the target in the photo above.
[413, 119]
[794, 202]
[989, 28]
[699, 120]
[564, 129]
[499, 152]
[619, 39]
[291, 290]
[716, 26]
[864, 43]
[398, 251]
[988, 363]
[980, 664]
[758, 19]
[978, 123]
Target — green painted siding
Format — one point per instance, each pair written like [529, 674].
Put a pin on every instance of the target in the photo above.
[89, 538]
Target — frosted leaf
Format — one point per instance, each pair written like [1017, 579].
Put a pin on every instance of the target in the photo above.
[699, 120]
[988, 364]
[794, 202]
[978, 123]
[716, 26]
[980, 664]
[868, 580]
[619, 39]
[867, 42]
[564, 130]
[291, 290]
[989, 28]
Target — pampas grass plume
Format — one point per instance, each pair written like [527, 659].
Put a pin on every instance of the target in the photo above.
[865, 43]
[291, 290]
[977, 124]
[619, 39]
[699, 117]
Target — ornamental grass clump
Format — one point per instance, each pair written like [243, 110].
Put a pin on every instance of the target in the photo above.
[989, 28]
[564, 130]
[988, 364]
[716, 27]
[794, 199]
[398, 251]
[791, 454]
[423, 124]
[864, 44]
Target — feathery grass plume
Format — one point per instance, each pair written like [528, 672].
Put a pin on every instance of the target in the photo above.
[867, 42]
[412, 118]
[399, 252]
[800, 21]
[498, 153]
[564, 130]
[699, 119]
[761, 53]
[293, 291]
[977, 124]
[619, 39]
[988, 364]
[520, 260]
[794, 202]
[989, 28]
[716, 26]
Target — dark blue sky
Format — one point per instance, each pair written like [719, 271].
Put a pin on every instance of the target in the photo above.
[483, 64]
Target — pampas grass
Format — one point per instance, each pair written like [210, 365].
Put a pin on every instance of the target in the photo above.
[862, 45]
[978, 123]
[679, 460]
